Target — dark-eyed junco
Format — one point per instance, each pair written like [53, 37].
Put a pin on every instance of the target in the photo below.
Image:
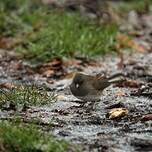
[89, 88]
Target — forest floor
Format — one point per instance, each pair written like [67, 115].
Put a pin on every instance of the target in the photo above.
[38, 94]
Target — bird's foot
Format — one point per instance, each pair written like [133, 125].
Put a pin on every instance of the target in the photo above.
[90, 107]
[82, 105]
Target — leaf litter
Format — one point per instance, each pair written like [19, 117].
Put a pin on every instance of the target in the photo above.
[73, 123]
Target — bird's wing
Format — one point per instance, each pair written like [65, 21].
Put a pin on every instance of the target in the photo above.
[100, 84]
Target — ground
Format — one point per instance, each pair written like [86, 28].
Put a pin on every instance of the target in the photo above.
[38, 95]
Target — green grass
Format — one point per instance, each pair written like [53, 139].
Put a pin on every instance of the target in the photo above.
[24, 96]
[136, 5]
[13, 14]
[67, 33]
[44, 33]
[27, 138]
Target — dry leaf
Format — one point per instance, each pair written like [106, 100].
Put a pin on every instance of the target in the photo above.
[129, 83]
[9, 43]
[7, 85]
[147, 117]
[116, 105]
[29, 70]
[136, 33]
[50, 81]
[123, 41]
[62, 97]
[52, 68]
[120, 94]
[48, 73]
[5, 43]
[117, 113]
[73, 62]
[54, 64]
[16, 65]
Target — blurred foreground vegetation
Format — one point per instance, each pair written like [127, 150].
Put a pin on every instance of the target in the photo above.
[19, 137]
[40, 33]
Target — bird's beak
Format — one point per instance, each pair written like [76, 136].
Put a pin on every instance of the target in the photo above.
[77, 85]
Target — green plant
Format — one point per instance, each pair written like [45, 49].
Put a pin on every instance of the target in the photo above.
[67, 33]
[28, 138]
[13, 16]
[45, 33]
[137, 5]
[26, 96]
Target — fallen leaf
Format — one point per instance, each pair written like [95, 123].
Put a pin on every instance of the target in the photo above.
[9, 43]
[120, 94]
[147, 117]
[16, 65]
[129, 83]
[5, 43]
[73, 62]
[50, 81]
[29, 70]
[7, 85]
[136, 33]
[117, 113]
[61, 111]
[62, 97]
[48, 73]
[116, 105]
[54, 64]
[52, 68]
[124, 41]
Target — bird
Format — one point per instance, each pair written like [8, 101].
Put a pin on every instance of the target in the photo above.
[89, 88]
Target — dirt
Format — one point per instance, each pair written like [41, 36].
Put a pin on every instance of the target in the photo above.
[93, 130]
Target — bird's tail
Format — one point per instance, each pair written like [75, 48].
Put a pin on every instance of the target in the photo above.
[119, 77]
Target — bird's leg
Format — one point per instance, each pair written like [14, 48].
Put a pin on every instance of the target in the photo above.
[82, 104]
[90, 107]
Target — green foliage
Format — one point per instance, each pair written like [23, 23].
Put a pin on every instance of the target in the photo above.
[46, 33]
[25, 96]
[12, 14]
[66, 33]
[27, 138]
[136, 5]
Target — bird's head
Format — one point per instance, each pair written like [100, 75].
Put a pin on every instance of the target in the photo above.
[79, 79]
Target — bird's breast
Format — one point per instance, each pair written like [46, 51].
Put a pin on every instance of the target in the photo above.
[78, 91]
[85, 93]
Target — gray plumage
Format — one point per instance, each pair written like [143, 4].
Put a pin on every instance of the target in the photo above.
[90, 88]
